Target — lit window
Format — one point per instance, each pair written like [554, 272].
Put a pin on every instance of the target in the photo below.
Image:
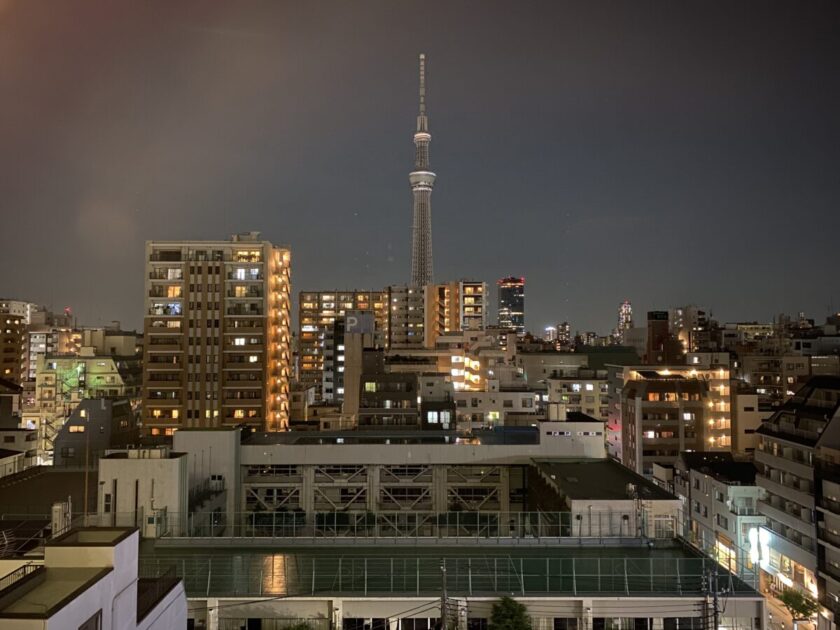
[370, 386]
[253, 358]
[239, 341]
[238, 413]
[575, 387]
[589, 387]
[433, 417]
[175, 414]
[77, 428]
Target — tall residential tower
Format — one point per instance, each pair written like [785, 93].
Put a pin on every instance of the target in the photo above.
[422, 181]
[217, 334]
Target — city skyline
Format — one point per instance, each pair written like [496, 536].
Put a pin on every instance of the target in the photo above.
[223, 122]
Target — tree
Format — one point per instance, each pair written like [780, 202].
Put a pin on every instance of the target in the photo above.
[799, 605]
[508, 614]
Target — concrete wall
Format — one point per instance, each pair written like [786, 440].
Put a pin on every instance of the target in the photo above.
[142, 487]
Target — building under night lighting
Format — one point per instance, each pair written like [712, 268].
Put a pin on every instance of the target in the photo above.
[217, 334]
[512, 304]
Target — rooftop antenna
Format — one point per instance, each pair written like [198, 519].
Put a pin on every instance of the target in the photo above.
[422, 121]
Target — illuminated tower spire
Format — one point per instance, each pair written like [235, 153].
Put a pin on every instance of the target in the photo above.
[422, 181]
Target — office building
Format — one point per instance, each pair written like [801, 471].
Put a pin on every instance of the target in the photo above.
[512, 304]
[217, 334]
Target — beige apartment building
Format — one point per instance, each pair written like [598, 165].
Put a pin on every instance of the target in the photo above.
[217, 334]
[454, 306]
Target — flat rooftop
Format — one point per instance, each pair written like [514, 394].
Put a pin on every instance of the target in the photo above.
[498, 435]
[53, 589]
[370, 571]
[601, 479]
[34, 490]
[92, 537]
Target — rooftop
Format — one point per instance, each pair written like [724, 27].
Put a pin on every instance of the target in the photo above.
[699, 459]
[92, 537]
[371, 571]
[53, 589]
[603, 479]
[733, 473]
[35, 490]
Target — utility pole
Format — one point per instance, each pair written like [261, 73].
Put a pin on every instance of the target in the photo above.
[87, 467]
[443, 598]
[715, 606]
[710, 587]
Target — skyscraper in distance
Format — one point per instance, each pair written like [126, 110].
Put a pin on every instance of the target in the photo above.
[512, 304]
[422, 182]
[625, 321]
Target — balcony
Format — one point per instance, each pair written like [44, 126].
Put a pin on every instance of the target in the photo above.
[251, 293]
[245, 310]
[787, 464]
[170, 345]
[826, 537]
[795, 530]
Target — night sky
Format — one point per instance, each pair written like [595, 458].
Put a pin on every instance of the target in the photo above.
[666, 152]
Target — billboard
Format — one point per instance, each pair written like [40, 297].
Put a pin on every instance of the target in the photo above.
[359, 322]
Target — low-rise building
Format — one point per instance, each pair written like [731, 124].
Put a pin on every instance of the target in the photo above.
[89, 579]
[141, 487]
[721, 506]
[92, 428]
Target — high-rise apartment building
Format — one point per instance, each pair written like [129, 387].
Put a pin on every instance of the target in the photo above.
[217, 334]
[454, 306]
[512, 304]
[406, 317]
[422, 182]
[15, 317]
[318, 312]
[691, 326]
[656, 413]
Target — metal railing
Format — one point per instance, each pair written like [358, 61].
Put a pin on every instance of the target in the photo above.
[150, 590]
[416, 525]
[11, 579]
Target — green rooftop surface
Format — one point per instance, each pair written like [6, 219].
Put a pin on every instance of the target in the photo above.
[546, 571]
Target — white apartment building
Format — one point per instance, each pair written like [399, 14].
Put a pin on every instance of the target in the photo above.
[89, 579]
[587, 392]
[785, 458]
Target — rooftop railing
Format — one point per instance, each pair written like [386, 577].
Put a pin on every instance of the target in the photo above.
[418, 526]
[278, 574]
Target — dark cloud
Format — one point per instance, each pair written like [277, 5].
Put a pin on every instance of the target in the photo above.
[658, 151]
